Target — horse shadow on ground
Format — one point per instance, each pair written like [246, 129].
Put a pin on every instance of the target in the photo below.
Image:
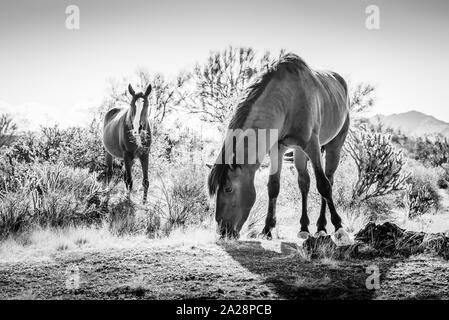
[291, 274]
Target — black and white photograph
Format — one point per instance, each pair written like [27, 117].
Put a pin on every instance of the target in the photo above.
[245, 151]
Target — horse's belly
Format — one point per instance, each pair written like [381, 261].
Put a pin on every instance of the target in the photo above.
[327, 136]
[332, 123]
[111, 143]
[114, 152]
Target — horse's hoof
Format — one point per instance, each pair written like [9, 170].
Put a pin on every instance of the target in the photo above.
[342, 238]
[303, 235]
[265, 235]
[253, 234]
[320, 233]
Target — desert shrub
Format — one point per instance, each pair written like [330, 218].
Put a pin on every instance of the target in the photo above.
[51, 178]
[65, 196]
[121, 218]
[56, 210]
[23, 149]
[16, 213]
[422, 195]
[50, 195]
[83, 148]
[345, 178]
[183, 202]
[431, 151]
[443, 180]
[355, 217]
[188, 202]
[186, 146]
[400, 138]
[8, 130]
[14, 175]
[150, 223]
[45, 145]
[179, 200]
[127, 217]
[55, 174]
[379, 164]
[77, 147]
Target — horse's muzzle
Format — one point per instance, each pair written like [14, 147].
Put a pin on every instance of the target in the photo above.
[227, 232]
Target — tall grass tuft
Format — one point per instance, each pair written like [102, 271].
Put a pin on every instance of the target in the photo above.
[51, 195]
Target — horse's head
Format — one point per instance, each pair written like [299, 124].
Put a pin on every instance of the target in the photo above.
[138, 115]
[235, 196]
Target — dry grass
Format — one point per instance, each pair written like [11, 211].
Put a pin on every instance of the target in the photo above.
[354, 219]
[130, 224]
[308, 283]
[429, 223]
[44, 243]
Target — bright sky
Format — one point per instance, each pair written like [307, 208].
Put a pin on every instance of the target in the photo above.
[48, 72]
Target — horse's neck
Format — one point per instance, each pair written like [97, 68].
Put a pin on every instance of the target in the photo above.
[124, 114]
[250, 147]
[270, 109]
[268, 114]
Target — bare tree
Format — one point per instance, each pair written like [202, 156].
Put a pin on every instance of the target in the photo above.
[361, 98]
[7, 130]
[221, 80]
[163, 98]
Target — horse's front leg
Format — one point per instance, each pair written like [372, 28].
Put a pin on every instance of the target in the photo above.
[127, 175]
[324, 187]
[304, 186]
[145, 182]
[273, 191]
[323, 184]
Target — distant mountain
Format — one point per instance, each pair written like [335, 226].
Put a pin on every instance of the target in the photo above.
[413, 123]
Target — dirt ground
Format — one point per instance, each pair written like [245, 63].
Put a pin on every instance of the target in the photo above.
[245, 269]
[222, 270]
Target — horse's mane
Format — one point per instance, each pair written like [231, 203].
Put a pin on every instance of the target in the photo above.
[289, 62]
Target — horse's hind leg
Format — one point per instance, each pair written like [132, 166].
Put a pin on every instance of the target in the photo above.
[333, 153]
[108, 167]
[304, 186]
[273, 192]
[324, 186]
[127, 175]
[332, 161]
[145, 182]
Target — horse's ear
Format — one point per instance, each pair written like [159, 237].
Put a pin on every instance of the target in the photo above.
[131, 90]
[148, 91]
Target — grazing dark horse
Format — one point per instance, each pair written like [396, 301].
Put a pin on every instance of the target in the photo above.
[127, 135]
[309, 111]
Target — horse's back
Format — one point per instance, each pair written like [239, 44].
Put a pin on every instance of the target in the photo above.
[334, 109]
[341, 80]
[111, 114]
[111, 132]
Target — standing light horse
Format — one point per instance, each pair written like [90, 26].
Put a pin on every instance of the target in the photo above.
[309, 111]
[127, 136]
